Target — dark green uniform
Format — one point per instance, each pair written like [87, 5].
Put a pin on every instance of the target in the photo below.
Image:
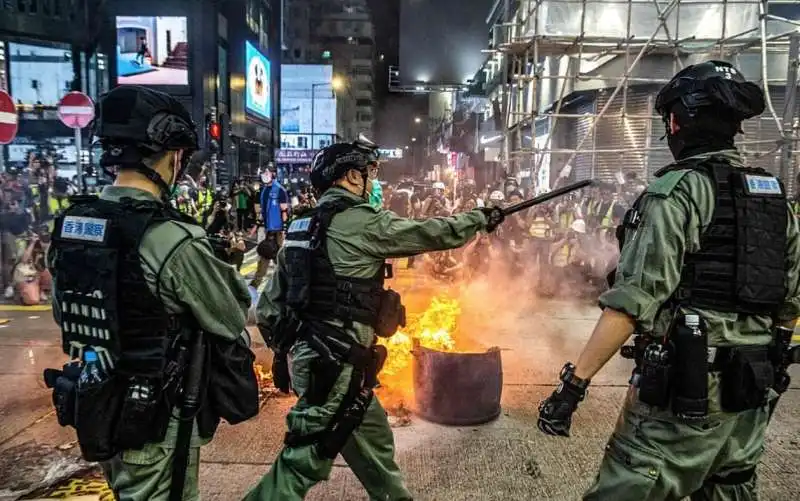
[358, 242]
[192, 280]
[653, 454]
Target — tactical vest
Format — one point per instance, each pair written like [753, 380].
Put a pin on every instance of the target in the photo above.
[103, 297]
[314, 290]
[740, 266]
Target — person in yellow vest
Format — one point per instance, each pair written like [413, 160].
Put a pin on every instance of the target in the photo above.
[56, 203]
[205, 200]
[541, 232]
[565, 214]
[567, 256]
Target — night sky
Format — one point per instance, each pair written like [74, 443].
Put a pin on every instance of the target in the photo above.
[441, 40]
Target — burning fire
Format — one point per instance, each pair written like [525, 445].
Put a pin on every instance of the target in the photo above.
[433, 329]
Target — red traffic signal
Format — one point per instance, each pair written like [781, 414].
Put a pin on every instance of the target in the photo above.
[214, 130]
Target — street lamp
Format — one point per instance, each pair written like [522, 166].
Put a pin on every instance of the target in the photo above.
[336, 83]
[417, 120]
[413, 140]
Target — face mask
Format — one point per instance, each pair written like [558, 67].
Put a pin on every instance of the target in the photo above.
[376, 195]
[676, 146]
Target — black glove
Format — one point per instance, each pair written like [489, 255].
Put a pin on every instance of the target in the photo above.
[494, 216]
[280, 372]
[555, 412]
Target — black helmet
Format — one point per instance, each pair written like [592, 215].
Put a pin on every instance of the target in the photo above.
[715, 84]
[332, 162]
[710, 100]
[135, 123]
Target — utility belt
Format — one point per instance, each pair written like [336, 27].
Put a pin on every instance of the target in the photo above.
[118, 413]
[335, 349]
[673, 372]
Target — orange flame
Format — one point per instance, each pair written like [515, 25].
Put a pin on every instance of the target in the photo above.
[434, 329]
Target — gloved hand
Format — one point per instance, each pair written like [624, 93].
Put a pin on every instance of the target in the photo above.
[280, 372]
[494, 216]
[555, 412]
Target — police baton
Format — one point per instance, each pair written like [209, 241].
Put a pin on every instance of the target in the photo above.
[192, 382]
[527, 204]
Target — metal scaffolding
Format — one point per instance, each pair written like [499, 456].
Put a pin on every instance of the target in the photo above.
[578, 79]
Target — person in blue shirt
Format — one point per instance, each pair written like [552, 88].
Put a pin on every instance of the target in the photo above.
[275, 203]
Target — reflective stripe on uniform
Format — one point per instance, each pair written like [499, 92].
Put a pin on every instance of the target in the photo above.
[540, 228]
[301, 244]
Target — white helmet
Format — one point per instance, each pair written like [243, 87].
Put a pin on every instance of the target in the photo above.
[578, 226]
[497, 196]
[438, 185]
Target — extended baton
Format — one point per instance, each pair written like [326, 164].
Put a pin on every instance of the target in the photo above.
[526, 204]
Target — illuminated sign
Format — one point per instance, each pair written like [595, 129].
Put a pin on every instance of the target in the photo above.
[394, 154]
[258, 82]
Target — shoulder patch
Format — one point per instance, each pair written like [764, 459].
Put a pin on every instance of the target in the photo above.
[762, 185]
[89, 229]
[663, 186]
[299, 225]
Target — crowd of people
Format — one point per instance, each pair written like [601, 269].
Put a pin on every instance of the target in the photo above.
[568, 246]
[30, 198]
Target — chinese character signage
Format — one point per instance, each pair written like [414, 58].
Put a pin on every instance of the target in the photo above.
[284, 156]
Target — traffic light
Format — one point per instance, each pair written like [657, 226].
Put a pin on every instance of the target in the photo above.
[213, 132]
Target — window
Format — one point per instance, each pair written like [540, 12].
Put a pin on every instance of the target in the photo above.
[223, 79]
[363, 102]
[297, 53]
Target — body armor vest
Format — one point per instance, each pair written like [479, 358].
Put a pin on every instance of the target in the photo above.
[740, 266]
[314, 290]
[102, 293]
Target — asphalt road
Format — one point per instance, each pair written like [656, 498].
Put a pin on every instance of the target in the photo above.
[505, 460]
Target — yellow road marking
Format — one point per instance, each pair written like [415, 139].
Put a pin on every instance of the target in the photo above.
[19, 307]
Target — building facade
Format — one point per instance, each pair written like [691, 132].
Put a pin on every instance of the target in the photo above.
[341, 34]
[215, 57]
[570, 88]
[49, 48]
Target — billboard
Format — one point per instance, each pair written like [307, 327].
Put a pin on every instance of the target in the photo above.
[258, 92]
[39, 74]
[308, 104]
[152, 50]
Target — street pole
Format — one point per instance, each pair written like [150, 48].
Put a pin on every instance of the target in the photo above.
[786, 165]
[313, 88]
[78, 163]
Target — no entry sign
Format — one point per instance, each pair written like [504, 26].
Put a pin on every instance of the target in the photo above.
[76, 110]
[8, 118]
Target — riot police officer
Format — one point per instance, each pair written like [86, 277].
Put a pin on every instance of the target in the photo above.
[134, 281]
[708, 274]
[325, 305]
